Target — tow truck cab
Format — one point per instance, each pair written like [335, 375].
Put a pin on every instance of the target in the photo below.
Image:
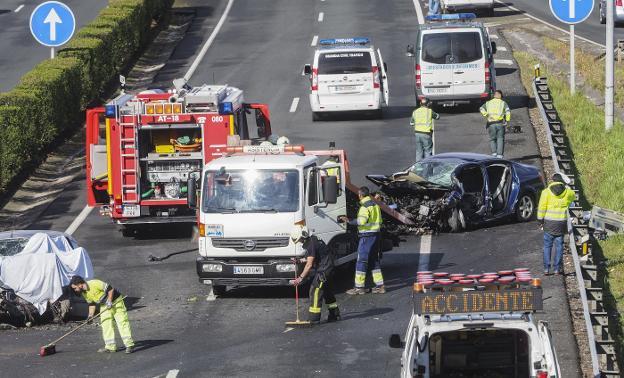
[500, 339]
[252, 199]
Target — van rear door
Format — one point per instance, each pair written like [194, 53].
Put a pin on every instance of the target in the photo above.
[344, 73]
[384, 79]
[468, 63]
[436, 68]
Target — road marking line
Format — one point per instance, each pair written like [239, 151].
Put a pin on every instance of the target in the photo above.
[212, 37]
[19, 8]
[293, 106]
[79, 219]
[501, 48]
[419, 12]
[508, 62]
[321, 16]
[493, 36]
[425, 252]
[172, 373]
[314, 41]
[549, 24]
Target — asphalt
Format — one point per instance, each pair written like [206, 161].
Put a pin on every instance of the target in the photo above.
[262, 48]
[590, 28]
[19, 51]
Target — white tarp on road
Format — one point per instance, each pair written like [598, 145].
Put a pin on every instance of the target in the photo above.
[38, 273]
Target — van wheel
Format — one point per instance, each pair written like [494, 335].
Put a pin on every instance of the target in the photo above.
[219, 290]
[316, 116]
[378, 114]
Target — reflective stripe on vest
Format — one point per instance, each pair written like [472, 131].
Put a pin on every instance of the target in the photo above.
[423, 122]
[369, 216]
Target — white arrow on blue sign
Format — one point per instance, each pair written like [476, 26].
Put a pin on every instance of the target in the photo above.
[571, 11]
[52, 23]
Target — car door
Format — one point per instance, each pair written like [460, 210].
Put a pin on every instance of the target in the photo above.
[322, 218]
[384, 79]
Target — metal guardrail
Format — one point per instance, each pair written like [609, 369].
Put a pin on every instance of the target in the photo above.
[601, 345]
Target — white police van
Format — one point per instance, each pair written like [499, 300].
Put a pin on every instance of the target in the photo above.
[473, 5]
[463, 327]
[347, 74]
[453, 60]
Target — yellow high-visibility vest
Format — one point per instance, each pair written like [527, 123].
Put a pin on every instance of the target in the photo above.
[369, 216]
[422, 119]
[553, 207]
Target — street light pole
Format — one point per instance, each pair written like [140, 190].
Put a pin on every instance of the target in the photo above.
[609, 61]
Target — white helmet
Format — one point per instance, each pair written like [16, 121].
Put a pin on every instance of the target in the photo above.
[283, 140]
[266, 143]
[299, 233]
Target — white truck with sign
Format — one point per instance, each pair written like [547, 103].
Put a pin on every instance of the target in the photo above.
[250, 201]
[477, 327]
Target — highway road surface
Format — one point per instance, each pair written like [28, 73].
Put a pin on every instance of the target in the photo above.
[262, 48]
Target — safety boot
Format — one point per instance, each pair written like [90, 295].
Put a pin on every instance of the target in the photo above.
[379, 290]
[356, 291]
[334, 315]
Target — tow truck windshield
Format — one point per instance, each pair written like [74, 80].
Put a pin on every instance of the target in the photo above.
[251, 191]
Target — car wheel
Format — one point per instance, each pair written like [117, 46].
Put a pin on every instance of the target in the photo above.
[456, 220]
[378, 114]
[219, 290]
[603, 18]
[316, 116]
[525, 209]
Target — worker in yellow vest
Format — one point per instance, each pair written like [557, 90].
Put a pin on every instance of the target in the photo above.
[498, 115]
[112, 309]
[422, 121]
[552, 213]
[368, 222]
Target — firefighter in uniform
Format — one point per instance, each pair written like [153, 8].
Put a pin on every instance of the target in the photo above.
[498, 116]
[113, 311]
[422, 121]
[368, 222]
[320, 260]
[552, 213]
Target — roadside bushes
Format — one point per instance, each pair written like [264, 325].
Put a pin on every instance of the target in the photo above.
[49, 100]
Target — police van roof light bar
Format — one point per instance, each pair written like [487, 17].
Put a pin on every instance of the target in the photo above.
[451, 17]
[344, 41]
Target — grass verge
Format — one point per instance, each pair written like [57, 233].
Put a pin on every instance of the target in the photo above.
[599, 159]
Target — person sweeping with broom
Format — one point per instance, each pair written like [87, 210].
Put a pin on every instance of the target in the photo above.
[113, 311]
[320, 260]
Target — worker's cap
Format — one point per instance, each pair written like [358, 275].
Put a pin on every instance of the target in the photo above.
[299, 234]
[560, 177]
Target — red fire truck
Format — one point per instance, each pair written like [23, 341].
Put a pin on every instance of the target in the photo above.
[143, 149]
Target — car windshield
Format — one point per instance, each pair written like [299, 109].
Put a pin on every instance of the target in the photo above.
[437, 172]
[344, 63]
[451, 48]
[251, 191]
[10, 247]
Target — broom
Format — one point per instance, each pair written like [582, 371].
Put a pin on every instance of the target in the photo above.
[50, 349]
[297, 323]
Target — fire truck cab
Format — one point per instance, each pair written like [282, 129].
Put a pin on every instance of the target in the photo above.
[477, 326]
[143, 148]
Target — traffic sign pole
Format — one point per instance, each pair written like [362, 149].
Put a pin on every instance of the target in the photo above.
[572, 65]
[51, 52]
[609, 62]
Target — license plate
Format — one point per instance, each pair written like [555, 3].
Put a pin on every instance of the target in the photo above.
[437, 90]
[341, 88]
[214, 230]
[131, 211]
[248, 270]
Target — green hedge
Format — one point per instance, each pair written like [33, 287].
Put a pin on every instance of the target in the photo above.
[49, 100]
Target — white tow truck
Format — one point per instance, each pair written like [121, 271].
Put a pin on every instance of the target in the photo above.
[477, 326]
[253, 197]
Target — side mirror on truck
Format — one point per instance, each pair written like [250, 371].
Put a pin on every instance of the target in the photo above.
[191, 193]
[493, 47]
[307, 69]
[330, 189]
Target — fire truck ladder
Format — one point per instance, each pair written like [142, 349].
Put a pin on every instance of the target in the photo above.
[129, 159]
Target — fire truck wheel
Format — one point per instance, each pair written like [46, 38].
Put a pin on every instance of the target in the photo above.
[128, 231]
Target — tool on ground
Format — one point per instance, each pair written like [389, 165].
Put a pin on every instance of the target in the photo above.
[297, 323]
[50, 349]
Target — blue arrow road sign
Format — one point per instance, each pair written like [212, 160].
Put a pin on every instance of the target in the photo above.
[52, 23]
[571, 11]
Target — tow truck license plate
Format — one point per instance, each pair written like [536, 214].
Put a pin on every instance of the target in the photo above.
[248, 270]
[131, 211]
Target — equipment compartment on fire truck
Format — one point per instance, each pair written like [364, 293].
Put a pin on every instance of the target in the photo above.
[477, 325]
[145, 149]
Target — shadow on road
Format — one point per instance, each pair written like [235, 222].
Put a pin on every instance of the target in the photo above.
[142, 345]
[367, 313]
